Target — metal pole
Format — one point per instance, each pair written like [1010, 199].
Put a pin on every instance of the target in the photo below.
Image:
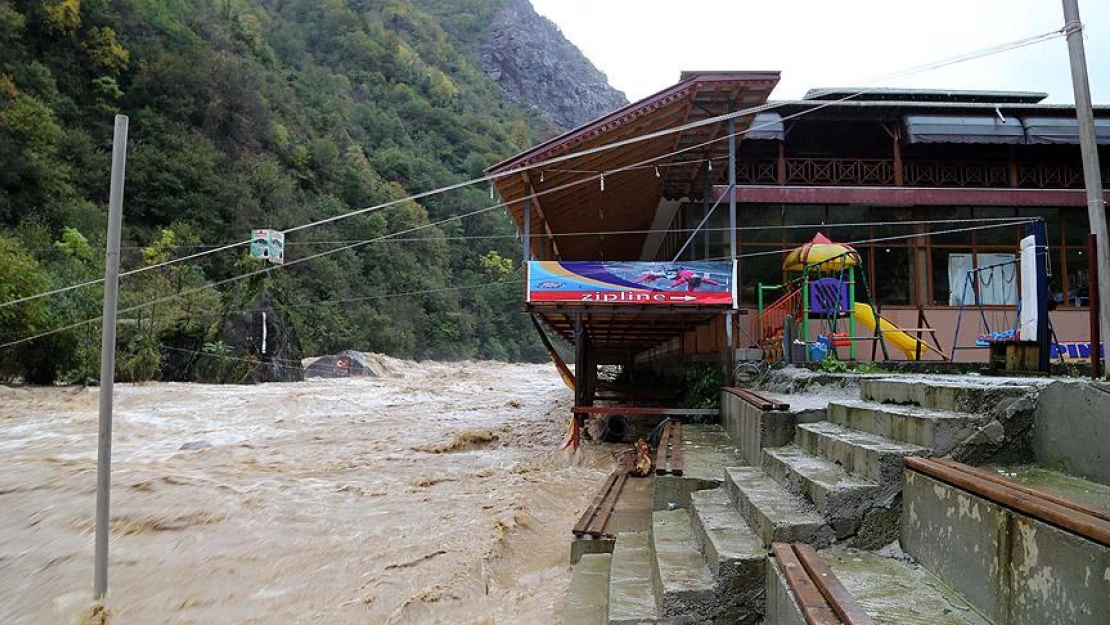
[1096, 210]
[731, 231]
[108, 359]
[1093, 305]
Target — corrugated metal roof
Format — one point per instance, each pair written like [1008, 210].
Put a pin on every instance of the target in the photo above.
[873, 94]
[963, 129]
[1062, 130]
[766, 127]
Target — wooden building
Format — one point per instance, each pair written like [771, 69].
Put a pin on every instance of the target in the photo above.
[902, 175]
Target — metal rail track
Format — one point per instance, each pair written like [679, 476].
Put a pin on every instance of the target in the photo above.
[596, 516]
[670, 448]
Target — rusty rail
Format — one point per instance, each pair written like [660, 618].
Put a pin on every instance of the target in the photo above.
[1027, 500]
[596, 516]
[757, 400]
[670, 446]
[646, 411]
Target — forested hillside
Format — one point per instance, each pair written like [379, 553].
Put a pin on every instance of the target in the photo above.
[255, 114]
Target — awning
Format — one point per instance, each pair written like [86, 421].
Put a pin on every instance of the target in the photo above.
[963, 129]
[1063, 130]
[766, 127]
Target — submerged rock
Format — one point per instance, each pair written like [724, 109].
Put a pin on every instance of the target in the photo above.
[346, 364]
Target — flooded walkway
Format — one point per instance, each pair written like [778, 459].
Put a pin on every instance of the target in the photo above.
[433, 494]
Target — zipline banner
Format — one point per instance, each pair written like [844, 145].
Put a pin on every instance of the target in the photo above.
[660, 283]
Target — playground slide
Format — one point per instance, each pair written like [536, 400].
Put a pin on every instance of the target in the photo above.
[891, 333]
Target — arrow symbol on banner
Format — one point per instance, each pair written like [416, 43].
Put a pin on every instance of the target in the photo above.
[682, 298]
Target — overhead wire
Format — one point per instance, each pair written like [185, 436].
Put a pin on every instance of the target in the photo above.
[490, 178]
[996, 49]
[899, 237]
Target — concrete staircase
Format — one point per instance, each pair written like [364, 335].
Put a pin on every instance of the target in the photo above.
[824, 482]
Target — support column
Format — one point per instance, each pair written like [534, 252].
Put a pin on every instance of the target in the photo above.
[706, 207]
[780, 173]
[920, 266]
[731, 239]
[527, 222]
[1040, 239]
[581, 346]
[899, 174]
[1093, 306]
[1096, 209]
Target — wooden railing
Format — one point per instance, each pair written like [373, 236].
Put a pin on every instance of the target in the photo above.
[881, 172]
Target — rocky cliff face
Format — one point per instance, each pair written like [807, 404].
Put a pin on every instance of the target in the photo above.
[536, 66]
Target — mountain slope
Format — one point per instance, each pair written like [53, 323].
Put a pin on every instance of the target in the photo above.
[248, 114]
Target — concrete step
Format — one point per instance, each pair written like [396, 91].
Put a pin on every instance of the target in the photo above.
[705, 449]
[753, 429]
[941, 394]
[733, 552]
[588, 596]
[867, 455]
[896, 591]
[631, 592]
[938, 430]
[684, 584]
[840, 497]
[774, 513]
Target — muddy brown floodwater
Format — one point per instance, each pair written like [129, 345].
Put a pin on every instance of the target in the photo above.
[432, 494]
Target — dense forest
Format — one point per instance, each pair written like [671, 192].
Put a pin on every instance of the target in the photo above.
[255, 114]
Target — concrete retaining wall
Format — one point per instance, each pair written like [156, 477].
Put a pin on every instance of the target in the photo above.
[1072, 430]
[782, 608]
[1015, 569]
[753, 429]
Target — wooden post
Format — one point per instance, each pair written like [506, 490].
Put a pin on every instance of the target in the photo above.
[899, 176]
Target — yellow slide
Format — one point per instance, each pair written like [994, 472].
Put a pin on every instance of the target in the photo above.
[892, 334]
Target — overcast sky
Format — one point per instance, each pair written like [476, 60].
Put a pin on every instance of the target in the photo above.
[642, 45]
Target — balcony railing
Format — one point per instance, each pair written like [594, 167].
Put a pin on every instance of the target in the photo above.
[882, 172]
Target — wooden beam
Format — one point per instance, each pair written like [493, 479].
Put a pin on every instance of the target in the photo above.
[540, 212]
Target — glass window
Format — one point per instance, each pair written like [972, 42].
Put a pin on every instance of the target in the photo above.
[1076, 226]
[813, 217]
[863, 276]
[1008, 236]
[950, 238]
[847, 215]
[893, 283]
[1053, 222]
[890, 219]
[1078, 282]
[949, 275]
[763, 267]
[760, 223]
[998, 278]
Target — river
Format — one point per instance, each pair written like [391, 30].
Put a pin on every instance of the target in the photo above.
[434, 493]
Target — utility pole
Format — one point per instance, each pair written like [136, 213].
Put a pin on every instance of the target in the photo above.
[108, 360]
[1096, 205]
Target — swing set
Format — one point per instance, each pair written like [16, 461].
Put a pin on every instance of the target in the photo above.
[980, 280]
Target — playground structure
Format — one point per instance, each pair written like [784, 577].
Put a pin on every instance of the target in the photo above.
[819, 280]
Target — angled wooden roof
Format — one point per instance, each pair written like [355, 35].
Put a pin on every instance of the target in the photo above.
[570, 196]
